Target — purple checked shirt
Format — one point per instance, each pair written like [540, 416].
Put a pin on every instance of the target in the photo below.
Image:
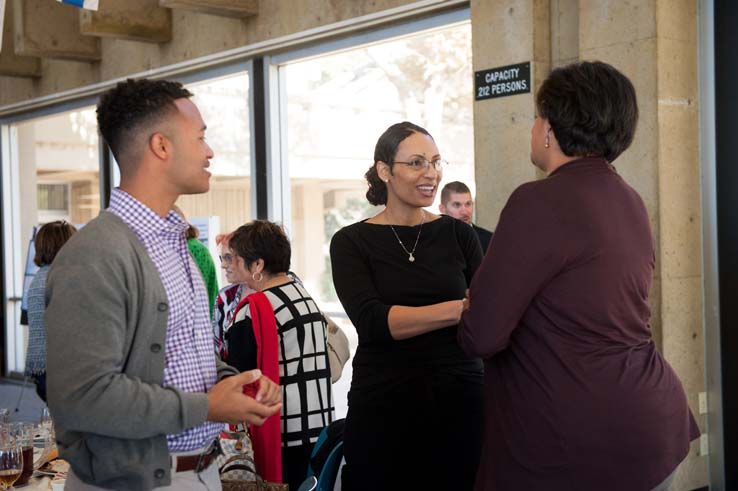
[190, 350]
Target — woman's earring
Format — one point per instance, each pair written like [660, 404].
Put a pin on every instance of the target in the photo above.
[546, 144]
[258, 280]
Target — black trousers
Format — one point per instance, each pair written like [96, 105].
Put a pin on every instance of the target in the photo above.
[426, 434]
[295, 462]
[40, 381]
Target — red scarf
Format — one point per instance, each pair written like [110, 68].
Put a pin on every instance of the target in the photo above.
[267, 438]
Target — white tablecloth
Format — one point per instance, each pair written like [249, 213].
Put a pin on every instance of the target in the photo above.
[37, 484]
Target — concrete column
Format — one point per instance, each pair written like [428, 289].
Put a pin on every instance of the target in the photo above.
[505, 32]
[680, 247]
[654, 43]
[307, 233]
[28, 184]
[624, 35]
[564, 32]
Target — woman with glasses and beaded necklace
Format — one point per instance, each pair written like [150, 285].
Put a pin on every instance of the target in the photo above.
[415, 405]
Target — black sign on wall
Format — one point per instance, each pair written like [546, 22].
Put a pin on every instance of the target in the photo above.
[502, 81]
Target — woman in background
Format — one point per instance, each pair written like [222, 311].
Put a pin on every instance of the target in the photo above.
[415, 406]
[48, 241]
[203, 259]
[577, 396]
[230, 295]
[279, 329]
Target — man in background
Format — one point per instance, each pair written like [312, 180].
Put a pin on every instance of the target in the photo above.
[457, 202]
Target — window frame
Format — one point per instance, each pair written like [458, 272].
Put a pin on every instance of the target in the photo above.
[270, 198]
[280, 201]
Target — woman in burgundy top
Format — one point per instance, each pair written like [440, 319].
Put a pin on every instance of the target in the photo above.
[576, 395]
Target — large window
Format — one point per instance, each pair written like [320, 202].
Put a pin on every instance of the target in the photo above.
[224, 105]
[53, 168]
[337, 105]
[324, 108]
[52, 164]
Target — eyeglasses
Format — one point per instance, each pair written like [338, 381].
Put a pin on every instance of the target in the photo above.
[226, 258]
[421, 163]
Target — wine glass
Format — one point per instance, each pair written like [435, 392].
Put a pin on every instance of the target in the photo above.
[22, 434]
[43, 442]
[11, 457]
[48, 424]
[46, 420]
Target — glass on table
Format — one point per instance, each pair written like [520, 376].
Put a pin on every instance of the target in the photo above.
[43, 443]
[35, 442]
[46, 417]
[21, 432]
[47, 422]
[11, 457]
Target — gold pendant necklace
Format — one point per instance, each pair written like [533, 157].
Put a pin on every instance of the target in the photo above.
[410, 254]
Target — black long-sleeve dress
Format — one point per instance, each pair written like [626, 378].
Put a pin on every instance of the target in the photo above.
[415, 406]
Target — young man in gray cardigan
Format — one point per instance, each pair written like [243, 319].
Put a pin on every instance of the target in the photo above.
[136, 392]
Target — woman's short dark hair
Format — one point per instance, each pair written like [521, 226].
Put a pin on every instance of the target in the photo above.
[49, 240]
[591, 107]
[262, 239]
[385, 151]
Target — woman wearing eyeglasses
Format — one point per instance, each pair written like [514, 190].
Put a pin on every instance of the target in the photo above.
[229, 296]
[279, 329]
[415, 405]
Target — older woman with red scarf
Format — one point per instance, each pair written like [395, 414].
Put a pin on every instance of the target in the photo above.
[280, 330]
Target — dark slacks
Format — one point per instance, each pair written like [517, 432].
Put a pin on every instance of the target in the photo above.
[295, 462]
[424, 434]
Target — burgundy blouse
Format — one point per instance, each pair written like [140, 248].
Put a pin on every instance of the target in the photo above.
[577, 396]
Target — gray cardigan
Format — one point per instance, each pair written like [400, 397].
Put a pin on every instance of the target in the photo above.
[106, 323]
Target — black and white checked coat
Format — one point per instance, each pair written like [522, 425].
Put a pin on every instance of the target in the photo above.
[304, 372]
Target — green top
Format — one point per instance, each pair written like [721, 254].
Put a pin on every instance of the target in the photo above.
[204, 261]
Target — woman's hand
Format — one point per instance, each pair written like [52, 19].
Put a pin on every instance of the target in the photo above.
[465, 301]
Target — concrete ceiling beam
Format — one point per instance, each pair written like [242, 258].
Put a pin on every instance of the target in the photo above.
[226, 8]
[51, 30]
[135, 20]
[11, 64]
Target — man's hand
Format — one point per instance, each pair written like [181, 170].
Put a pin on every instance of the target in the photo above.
[228, 404]
[270, 393]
